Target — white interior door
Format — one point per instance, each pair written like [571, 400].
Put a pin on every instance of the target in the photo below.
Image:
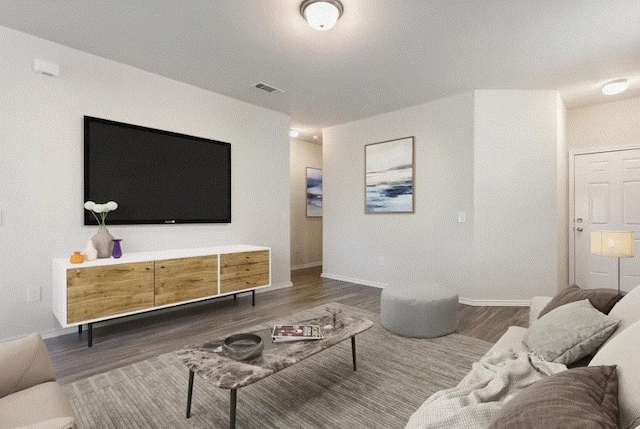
[607, 196]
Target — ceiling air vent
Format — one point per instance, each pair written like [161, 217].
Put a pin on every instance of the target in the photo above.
[268, 88]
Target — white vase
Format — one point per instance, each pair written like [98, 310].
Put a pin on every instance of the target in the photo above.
[103, 242]
[90, 252]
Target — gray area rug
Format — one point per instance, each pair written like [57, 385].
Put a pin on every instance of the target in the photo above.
[395, 376]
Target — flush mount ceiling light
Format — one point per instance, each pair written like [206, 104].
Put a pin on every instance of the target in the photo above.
[615, 87]
[321, 15]
[294, 133]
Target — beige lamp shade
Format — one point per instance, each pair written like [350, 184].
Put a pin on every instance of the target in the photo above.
[612, 243]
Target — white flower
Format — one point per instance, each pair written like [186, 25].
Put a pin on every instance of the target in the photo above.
[100, 211]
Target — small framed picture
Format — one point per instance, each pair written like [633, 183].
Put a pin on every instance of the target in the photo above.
[314, 192]
[389, 176]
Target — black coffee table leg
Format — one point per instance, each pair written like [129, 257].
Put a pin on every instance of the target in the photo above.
[353, 351]
[232, 408]
[189, 393]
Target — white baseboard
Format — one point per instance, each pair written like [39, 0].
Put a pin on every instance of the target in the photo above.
[275, 287]
[353, 280]
[51, 333]
[44, 334]
[64, 331]
[495, 302]
[307, 265]
[472, 302]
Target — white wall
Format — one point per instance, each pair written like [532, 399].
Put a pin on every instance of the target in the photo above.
[610, 125]
[41, 166]
[562, 196]
[379, 248]
[516, 183]
[499, 156]
[615, 124]
[306, 232]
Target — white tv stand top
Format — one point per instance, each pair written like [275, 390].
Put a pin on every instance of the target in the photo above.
[161, 255]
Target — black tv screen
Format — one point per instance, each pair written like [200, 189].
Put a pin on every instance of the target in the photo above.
[156, 177]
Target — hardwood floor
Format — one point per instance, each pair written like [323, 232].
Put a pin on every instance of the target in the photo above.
[137, 338]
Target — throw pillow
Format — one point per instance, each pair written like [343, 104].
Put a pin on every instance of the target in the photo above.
[569, 332]
[580, 398]
[623, 351]
[601, 299]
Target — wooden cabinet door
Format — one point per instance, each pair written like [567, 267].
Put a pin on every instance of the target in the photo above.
[108, 290]
[244, 270]
[184, 279]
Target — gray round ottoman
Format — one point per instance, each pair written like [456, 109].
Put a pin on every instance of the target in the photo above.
[422, 311]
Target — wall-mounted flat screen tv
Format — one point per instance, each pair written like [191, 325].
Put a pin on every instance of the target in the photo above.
[155, 176]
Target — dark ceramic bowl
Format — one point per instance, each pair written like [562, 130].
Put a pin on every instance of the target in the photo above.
[243, 346]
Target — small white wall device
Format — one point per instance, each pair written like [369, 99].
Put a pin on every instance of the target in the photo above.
[46, 68]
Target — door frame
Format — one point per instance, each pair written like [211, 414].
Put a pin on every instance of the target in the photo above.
[572, 195]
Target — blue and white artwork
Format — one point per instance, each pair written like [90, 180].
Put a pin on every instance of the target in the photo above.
[314, 192]
[389, 176]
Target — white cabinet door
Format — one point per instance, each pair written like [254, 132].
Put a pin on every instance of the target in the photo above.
[607, 196]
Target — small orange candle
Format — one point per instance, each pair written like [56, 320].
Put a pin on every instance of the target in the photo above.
[76, 258]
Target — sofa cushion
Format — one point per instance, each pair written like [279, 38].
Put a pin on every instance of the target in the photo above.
[623, 351]
[25, 363]
[30, 406]
[601, 299]
[511, 340]
[627, 310]
[580, 398]
[569, 332]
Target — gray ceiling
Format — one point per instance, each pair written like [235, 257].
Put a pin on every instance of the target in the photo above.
[382, 55]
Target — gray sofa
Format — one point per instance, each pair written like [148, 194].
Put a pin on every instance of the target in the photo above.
[30, 398]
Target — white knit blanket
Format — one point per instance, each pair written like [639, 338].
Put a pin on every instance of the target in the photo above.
[476, 400]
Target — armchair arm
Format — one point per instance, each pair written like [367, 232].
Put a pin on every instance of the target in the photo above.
[57, 423]
[24, 363]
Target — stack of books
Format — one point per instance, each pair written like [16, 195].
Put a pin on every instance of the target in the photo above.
[282, 333]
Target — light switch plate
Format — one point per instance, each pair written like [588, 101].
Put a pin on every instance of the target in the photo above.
[462, 217]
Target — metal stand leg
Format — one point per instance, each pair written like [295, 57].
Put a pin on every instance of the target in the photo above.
[79, 329]
[232, 409]
[89, 334]
[618, 276]
[189, 393]
[253, 297]
[353, 351]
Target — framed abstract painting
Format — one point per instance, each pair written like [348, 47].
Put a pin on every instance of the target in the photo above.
[389, 176]
[314, 192]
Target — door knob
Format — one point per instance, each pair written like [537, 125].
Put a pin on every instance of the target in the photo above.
[579, 229]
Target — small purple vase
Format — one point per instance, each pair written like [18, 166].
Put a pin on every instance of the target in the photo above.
[117, 248]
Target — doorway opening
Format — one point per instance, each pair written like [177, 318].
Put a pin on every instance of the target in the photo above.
[306, 207]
